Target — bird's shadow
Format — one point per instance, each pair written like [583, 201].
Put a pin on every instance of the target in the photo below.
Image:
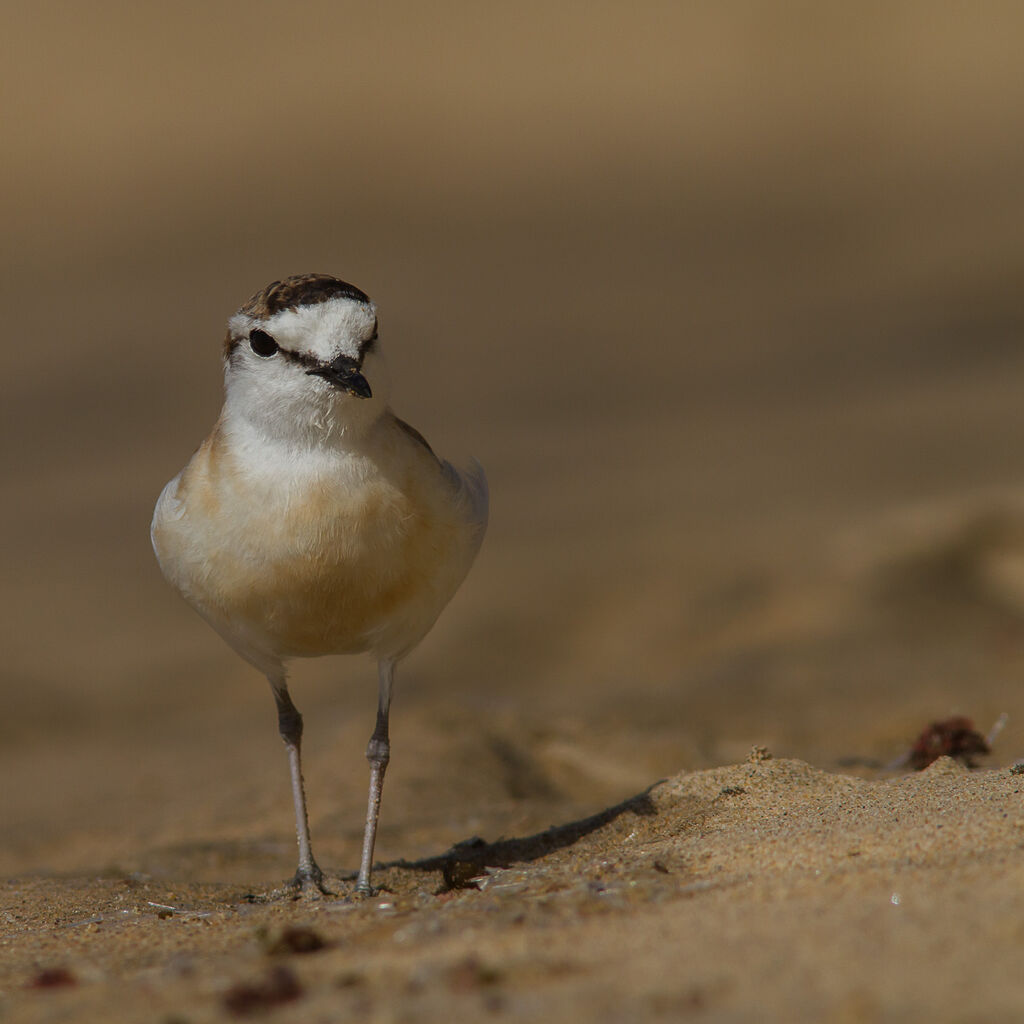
[471, 857]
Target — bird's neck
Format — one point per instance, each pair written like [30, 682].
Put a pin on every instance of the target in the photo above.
[309, 427]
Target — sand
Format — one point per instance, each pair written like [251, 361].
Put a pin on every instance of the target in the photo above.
[728, 304]
[768, 888]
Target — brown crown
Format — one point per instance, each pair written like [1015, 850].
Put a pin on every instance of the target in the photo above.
[300, 290]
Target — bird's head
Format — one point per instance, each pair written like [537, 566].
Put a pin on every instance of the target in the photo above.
[302, 358]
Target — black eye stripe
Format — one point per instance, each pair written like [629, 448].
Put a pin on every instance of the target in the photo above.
[301, 358]
[265, 346]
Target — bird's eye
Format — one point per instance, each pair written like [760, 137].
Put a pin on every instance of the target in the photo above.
[262, 344]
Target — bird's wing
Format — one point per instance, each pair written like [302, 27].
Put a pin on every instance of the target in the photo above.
[470, 484]
[413, 433]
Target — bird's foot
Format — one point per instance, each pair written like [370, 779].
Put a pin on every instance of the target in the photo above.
[365, 891]
[309, 881]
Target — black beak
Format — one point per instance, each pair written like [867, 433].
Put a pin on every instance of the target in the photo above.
[344, 374]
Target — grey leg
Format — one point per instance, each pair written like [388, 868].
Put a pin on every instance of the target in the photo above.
[289, 723]
[378, 753]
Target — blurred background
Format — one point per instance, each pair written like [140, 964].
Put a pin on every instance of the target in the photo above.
[726, 298]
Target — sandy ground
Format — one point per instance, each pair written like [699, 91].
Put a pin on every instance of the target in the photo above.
[768, 888]
[729, 306]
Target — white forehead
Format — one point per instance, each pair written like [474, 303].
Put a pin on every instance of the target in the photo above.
[324, 330]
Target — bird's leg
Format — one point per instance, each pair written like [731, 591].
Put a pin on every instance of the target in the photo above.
[289, 723]
[378, 753]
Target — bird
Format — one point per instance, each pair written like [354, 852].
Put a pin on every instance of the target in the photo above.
[312, 520]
